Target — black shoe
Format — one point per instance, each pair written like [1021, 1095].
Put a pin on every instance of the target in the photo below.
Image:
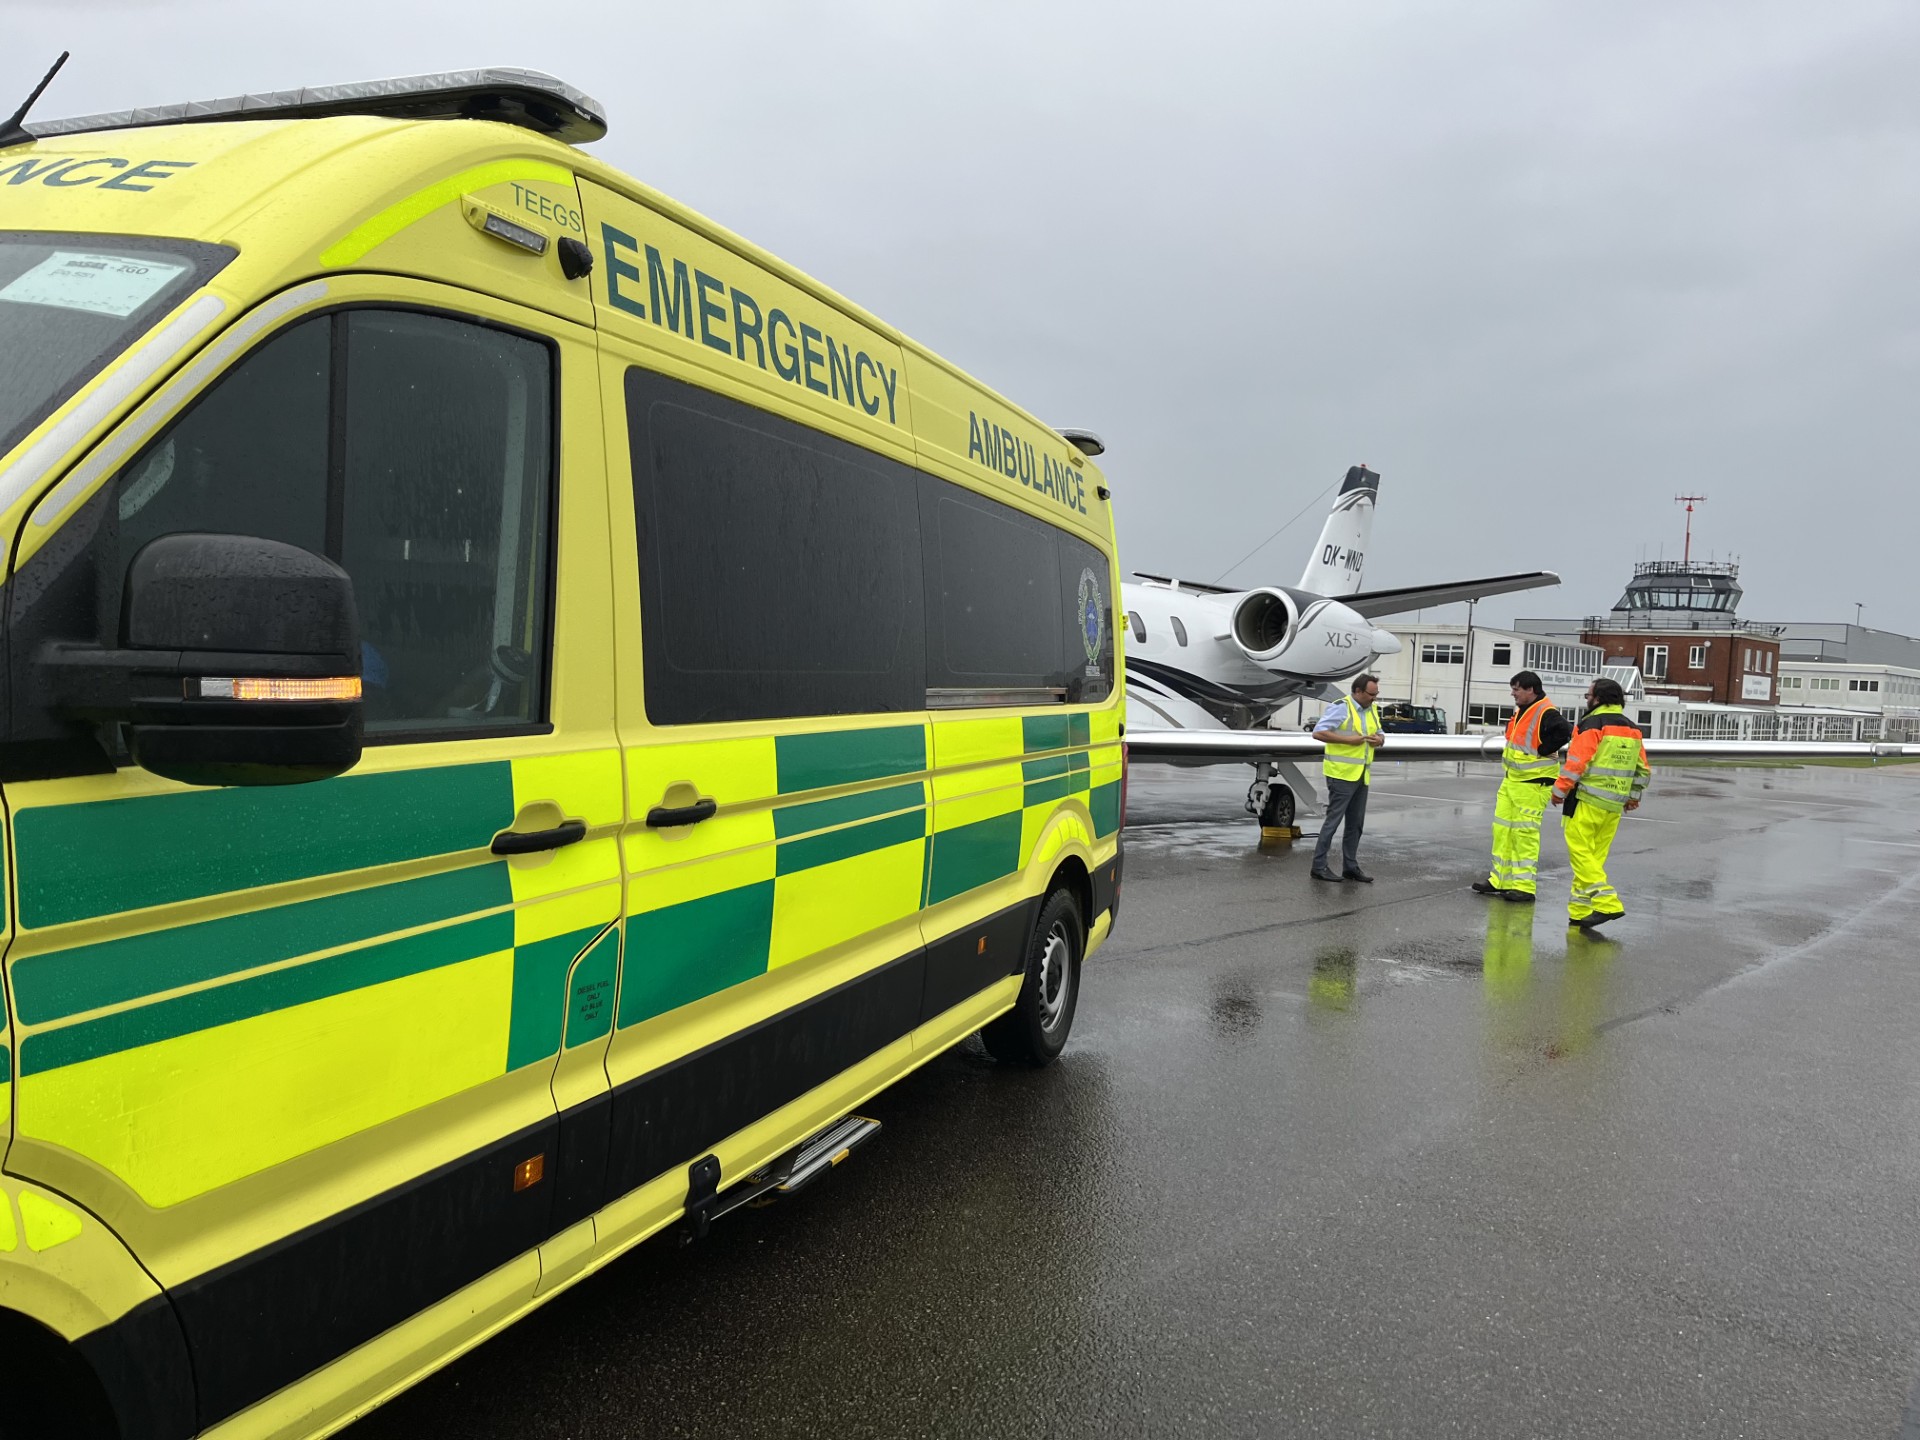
[1517, 897]
[1360, 875]
[1320, 874]
[1487, 887]
[1599, 917]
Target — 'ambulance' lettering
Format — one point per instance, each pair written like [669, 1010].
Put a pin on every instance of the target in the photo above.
[66, 171]
[1000, 450]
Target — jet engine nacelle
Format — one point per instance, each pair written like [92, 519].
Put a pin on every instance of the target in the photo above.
[1295, 633]
[1263, 623]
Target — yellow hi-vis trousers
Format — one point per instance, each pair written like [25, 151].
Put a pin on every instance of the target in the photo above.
[1516, 834]
[1590, 831]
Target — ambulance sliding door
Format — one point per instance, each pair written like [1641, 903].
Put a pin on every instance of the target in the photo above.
[772, 696]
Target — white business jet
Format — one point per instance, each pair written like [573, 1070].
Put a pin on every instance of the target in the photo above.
[1209, 667]
[1206, 659]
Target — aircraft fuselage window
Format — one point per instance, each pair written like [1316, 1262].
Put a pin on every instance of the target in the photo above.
[1179, 631]
[1139, 626]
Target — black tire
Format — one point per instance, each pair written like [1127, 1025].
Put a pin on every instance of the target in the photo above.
[51, 1390]
[1035, 1031]
[1277, 814]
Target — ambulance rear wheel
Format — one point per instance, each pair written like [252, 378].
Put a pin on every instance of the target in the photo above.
[1035, 1030]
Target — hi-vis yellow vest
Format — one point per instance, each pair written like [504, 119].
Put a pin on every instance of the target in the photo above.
[1354, 762]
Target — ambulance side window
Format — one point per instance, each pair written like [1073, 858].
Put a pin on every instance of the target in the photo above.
[996, 612]
[779, 567]
[446, 469]
[415, 450]
[250, 458]
[1087, 601]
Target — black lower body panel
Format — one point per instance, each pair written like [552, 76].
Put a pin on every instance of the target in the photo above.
[673, 1115]
[1106, 885]
[266, 1319]
[966, 962]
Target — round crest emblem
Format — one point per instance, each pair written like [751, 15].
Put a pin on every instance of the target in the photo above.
[1093, 615]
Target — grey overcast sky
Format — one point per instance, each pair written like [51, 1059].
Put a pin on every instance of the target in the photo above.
[1543, 266]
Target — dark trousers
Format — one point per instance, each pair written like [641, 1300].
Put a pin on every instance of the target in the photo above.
[1346, 800]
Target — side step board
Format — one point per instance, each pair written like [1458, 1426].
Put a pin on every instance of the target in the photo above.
[793, 1171]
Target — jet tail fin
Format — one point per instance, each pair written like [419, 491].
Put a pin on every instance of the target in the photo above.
[1334, 568]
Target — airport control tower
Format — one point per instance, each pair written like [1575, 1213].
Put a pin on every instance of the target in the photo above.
[1676, 621]
[1686, 586]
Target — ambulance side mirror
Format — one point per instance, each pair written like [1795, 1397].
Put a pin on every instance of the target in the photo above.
[239, 663]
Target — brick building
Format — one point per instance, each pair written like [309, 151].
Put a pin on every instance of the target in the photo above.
[1731, 662]
[1676, 623]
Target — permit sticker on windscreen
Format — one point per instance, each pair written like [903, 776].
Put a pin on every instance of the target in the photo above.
[98, 284]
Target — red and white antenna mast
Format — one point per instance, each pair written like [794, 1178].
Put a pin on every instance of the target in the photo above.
[1686, 556]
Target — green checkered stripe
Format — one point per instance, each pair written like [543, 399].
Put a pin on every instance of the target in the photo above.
[1056, 766]
[88, 861]
[688, 951]
[79, 863]
[685, 952]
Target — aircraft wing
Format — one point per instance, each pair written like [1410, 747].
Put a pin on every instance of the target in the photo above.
[1227, 747]
[1188, 584]
[1374, 603]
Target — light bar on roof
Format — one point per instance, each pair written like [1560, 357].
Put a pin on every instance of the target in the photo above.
[527, 98]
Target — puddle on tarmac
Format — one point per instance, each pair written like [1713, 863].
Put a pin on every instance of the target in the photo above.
[1214, 841]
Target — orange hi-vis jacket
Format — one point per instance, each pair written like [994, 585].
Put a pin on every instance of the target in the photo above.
[1522, 755]
[1606, 760]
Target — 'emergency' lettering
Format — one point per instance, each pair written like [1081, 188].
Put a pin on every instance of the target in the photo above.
[678, 301]
[702, 307]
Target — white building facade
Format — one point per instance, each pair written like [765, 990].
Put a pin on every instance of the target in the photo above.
[1433, 669]
[1886, 696]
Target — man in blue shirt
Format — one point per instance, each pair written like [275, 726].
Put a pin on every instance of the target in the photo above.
[1350, 729]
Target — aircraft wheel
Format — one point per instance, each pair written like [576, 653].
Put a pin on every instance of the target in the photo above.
[1277, 814]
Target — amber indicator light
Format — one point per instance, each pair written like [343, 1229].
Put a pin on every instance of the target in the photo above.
[529, 1173]
[241, 687]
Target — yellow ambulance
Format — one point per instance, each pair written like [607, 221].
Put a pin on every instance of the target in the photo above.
[522, 711]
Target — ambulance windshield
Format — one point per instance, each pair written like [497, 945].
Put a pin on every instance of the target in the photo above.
[70, 303]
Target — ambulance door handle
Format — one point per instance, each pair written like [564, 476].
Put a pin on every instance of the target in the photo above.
[529, 842]
[665, 817]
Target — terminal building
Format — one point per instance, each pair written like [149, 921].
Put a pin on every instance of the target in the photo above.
[1872, 673]
[1690, 667]
[1465, 672]
[1676, 625]
[1704, 673]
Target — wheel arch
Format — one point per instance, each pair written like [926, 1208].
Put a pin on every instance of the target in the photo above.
[1071, 874]
[82, 1315]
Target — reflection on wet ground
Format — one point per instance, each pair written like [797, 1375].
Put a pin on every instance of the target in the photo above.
[1342, 1160]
